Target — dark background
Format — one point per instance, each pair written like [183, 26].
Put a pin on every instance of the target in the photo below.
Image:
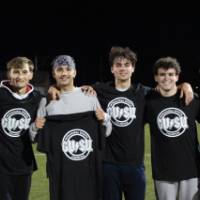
[87, 31]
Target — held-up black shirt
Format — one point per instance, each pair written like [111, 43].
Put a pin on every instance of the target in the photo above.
[73, 144]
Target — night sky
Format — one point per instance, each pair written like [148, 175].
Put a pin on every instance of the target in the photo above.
[87, 32]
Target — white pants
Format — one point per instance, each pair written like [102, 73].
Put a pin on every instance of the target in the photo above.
[181, 190]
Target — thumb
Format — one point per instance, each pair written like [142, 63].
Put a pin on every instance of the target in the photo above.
[181, 94]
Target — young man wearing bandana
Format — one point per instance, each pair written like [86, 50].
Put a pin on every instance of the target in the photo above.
[72, 137]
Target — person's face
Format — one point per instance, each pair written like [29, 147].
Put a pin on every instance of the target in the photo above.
[166, 79]
[64, 75]
[20, 77]
[122, 69]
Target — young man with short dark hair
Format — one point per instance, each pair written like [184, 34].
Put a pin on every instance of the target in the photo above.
[174, 144]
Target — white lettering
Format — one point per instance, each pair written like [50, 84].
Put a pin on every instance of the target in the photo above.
[13, 124]
[126, 112]
[73, 146]
[169, 124]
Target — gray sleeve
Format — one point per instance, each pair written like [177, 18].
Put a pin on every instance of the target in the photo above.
[41, 112]
[42, 108]
[107, 123]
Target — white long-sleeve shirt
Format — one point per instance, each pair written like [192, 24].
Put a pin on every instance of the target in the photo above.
[70, 102]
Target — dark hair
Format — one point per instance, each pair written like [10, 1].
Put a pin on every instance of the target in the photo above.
[117, 52]
[166, 63]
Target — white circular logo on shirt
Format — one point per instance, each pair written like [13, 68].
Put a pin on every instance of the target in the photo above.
[15, 121]
[77, 144]
[172, 122]
[122, 111]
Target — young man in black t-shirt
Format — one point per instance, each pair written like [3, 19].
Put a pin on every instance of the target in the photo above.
[174, 144]
[18, 107]
[123, 167]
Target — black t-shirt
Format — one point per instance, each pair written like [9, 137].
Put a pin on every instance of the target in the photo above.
[174, 144]
[125, 145]
[73, 144]
[16, 154]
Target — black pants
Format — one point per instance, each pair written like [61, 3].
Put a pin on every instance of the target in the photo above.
[127, 179]
[14, 187]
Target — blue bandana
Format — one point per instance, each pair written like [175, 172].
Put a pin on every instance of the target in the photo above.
[63, 60]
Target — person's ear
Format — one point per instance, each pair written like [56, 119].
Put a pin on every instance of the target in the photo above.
[133, 69]
[156, 78]
[177, 77]
[31, 75]
[111, 69]
[74, 74]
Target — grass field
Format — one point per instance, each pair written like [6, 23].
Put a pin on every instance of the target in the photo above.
[40, 191]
